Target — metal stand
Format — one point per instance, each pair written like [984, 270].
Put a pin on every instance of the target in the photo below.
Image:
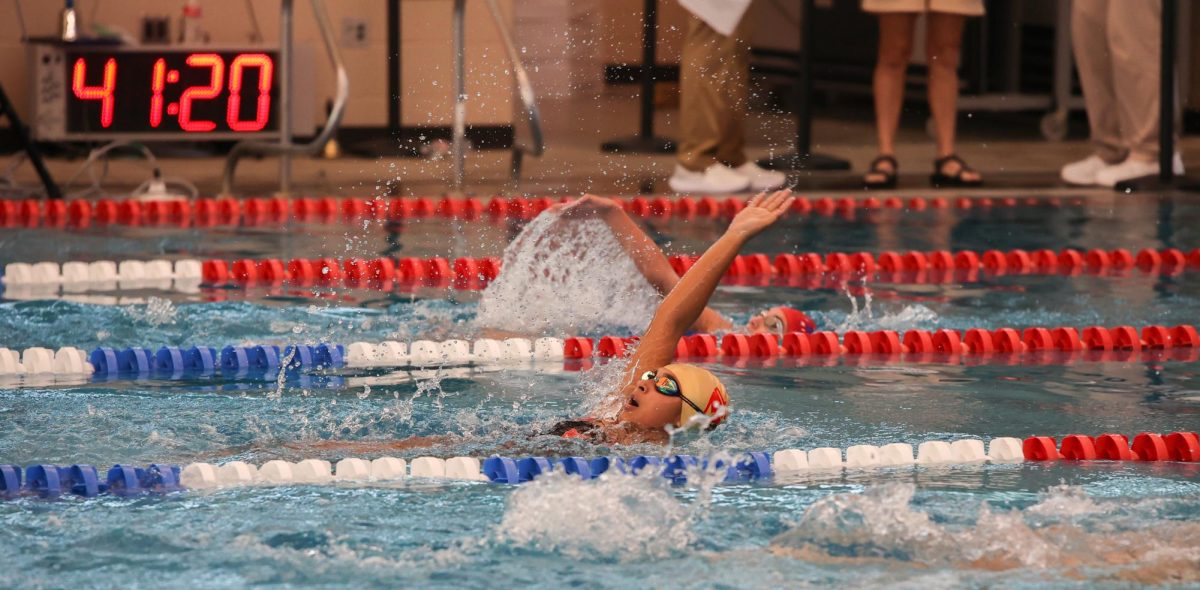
[1166, 179]
[285, 148]
[803, 158]
[26, 143]
[645, 142]
[458, 148]
[524, 90]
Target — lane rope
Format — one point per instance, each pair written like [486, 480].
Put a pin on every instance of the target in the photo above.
[259, 211]
[809, 271]
[52, 481]
[973, 346]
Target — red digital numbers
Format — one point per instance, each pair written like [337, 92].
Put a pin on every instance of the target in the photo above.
[105, 92]
[191, 120]
[266, 70]
[213, 90]
[157, 84]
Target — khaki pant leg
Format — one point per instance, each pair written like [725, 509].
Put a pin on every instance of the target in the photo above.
[1135, 36]
[1093, 60]
[714, 71]
[736, 93]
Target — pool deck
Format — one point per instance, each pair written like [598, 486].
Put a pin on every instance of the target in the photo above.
[1005, 147]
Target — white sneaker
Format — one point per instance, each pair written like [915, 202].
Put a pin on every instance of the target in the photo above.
[760, 179]
[717, 178]
[1084, 171]
[1133, 168]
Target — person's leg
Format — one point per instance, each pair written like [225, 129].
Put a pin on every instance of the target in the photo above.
[895, 50]
[704, 113]
[700, 104]
[943, 46]
[1094, 62]
[731, 77]
[1134, 38]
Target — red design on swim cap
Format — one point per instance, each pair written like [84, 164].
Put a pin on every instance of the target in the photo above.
[716, 401]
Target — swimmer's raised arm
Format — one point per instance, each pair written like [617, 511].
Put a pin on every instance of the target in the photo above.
[687, 300]
[646, 255]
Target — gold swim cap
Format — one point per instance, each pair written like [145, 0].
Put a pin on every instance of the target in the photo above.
[703, 389]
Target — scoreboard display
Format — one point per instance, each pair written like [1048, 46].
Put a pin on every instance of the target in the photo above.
[106, 92]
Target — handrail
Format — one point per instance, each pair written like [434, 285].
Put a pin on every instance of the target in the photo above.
[285, 147]
[524, 91]
[524, 86]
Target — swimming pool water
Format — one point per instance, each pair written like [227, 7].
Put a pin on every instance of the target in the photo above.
[1021, 525]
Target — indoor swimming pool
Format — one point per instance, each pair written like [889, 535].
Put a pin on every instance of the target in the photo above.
[1080, 524]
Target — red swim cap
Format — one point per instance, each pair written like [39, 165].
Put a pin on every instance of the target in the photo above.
[795, 320]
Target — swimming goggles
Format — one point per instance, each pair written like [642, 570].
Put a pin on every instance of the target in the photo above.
[669, 387]
[773, 323]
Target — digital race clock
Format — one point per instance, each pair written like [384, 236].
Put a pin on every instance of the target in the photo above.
[105, 92]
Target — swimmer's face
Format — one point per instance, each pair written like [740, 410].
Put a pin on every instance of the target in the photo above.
[648, 408]
[767, 322]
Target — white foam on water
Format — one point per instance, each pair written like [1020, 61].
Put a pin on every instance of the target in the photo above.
[1065, 501]
[600, 389]
[1084, 538]
[614, 517]
[156, 312]
[566, 276]
[910, 317]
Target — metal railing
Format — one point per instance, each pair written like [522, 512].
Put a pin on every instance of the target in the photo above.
[285, 149]
[524, 90]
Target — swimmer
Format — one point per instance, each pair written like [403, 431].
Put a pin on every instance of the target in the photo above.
[657, 392]
[653, 264]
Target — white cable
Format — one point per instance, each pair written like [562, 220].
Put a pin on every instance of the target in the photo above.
[146, 187]
[256, 35]
[21, 21]
[96, 186]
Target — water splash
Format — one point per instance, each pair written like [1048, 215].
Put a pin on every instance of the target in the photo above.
[600, 389]
[156, 312]
[567, 277]
[614, 517]
[863, 317]
[881, 526]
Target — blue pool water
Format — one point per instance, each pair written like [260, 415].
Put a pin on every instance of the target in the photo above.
[1018, 525]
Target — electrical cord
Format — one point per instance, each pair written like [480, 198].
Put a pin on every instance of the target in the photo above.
[157, 182]
[9, 187]
[256, 35]
[21, 21]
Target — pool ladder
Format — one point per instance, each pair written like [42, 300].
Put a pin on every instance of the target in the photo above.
[534, 145]
[285, 149]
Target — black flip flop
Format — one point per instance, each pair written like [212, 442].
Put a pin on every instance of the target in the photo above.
[939, 180]
[889, 176]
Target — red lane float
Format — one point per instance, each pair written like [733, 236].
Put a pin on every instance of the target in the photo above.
[913, 266]
[1146, 446]
[260, 210]
[378, 273]
[1060, 344]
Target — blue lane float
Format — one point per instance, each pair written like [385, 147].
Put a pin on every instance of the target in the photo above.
[750, 466]
[172, 360]
[200, 358]
[53, 481]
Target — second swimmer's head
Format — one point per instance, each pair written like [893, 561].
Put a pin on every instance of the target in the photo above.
[673, 394]
[779, 320]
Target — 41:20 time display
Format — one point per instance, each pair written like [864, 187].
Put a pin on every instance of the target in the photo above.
[173, 92]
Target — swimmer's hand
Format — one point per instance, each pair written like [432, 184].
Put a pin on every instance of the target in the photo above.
[586, 206]
[761, 212]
